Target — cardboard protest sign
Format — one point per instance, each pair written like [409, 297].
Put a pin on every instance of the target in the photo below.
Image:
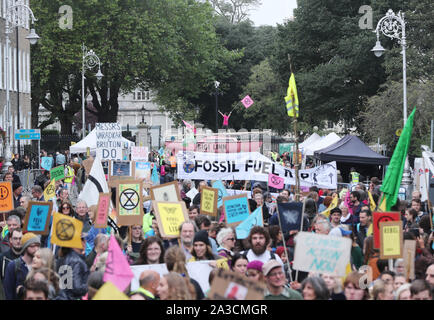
[409, 255]
[117, 268]
[38, 216]
[6, 196]
[379, 217]
[50, 190]
[58, 173]
[142, 171]
[208, 201]
[290, 215]
[222, 191]
[168, 192]
[129, 202]
[321, 253]
[139, 153]
[192, 193]
[236, 209]
[276, 181]
[87, 164]
[109, 291]
[391, 243]
[102, 210]
[66, 231]
[169, 216]
[255, 219]
[198, 270]
[120, 170]
[228, 285]
[109, 141]
[47, 163]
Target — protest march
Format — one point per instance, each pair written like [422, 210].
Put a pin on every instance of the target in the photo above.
[124, 223]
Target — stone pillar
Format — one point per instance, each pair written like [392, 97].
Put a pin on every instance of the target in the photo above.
[142, 135]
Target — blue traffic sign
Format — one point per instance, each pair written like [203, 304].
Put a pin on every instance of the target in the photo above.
[28, 134]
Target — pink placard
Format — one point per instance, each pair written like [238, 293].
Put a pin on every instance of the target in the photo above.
[247, 101]
[102, 210]
[275, 181]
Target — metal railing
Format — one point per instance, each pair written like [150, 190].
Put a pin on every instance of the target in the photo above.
[27, 178]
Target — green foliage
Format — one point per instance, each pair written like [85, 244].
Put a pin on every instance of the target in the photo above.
[388, 106]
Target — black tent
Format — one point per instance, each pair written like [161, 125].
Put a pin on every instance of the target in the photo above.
[352, 150]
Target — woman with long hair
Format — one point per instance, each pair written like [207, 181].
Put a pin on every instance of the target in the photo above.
[134, 241]
[352, 289]
[151, 251]
[173, 287]
[202, 251]
[175, 261]
[66, 208]
[315, 288]
[371, 256]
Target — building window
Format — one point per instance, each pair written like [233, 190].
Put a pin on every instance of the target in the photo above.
[142, 95]
[330, 124]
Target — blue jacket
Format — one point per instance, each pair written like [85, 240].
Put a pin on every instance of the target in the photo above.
[12, 280]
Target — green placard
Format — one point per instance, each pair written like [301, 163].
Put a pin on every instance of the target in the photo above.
[58, 173]
[285, 147]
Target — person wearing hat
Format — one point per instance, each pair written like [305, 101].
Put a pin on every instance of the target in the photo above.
[254, 271]
[18, 269]
[202, 251]
[277, 288]
[17, 190]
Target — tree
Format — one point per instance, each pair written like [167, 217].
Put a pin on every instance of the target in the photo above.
[388, 105]
[170, 46]
[234, 11]
[333, 66]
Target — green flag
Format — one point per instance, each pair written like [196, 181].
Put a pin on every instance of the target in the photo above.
[392, 181]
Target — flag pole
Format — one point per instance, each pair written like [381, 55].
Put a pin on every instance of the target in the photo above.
[296, 164]
[427, 194]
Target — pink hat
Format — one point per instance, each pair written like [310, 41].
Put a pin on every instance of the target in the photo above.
[255, 264]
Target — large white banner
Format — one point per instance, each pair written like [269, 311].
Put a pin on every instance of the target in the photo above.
[249, 166]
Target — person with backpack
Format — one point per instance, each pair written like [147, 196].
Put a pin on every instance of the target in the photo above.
[259, 238]
[18, 269]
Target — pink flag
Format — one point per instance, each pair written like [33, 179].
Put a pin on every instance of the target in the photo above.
[189, 126]
[117, 269]
[275, 181]
[247, 101]
[348, 203]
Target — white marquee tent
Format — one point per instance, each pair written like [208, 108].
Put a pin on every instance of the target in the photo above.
[312, 138]
[90, 142]
[322, 143]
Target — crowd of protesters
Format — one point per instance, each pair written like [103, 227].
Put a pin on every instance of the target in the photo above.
[30, 270]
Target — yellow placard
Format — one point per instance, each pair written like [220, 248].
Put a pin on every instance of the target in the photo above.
[170, 215]
[50, 190]
[208, 201]
[391, 240]
[66, 231]
[109, 291]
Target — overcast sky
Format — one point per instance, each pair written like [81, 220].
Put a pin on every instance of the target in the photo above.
[272, 12]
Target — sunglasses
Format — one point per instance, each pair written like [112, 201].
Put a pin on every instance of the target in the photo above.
[232, 239]
[66, 208]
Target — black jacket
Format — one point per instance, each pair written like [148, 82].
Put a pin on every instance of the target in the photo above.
[80, 273]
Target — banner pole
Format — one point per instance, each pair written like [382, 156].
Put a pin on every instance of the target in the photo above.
[284, 246]
[301, 229]
[427, 194]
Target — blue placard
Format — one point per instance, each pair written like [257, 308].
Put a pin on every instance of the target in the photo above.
[290, 215]
[46, 163]
[255, 219]
[236, 210]
[222, 192]
[38, 218]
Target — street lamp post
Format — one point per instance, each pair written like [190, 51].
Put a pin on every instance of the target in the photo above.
[16, 16]
[216, 93]
[90, 60]
[393, 26]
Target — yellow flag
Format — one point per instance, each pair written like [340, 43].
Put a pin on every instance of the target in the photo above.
[331, 206]
[370, 231]
[372, 203]
[291, 98]
[50, 190]
[66, 231]
[382, 206]
[109, 291]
